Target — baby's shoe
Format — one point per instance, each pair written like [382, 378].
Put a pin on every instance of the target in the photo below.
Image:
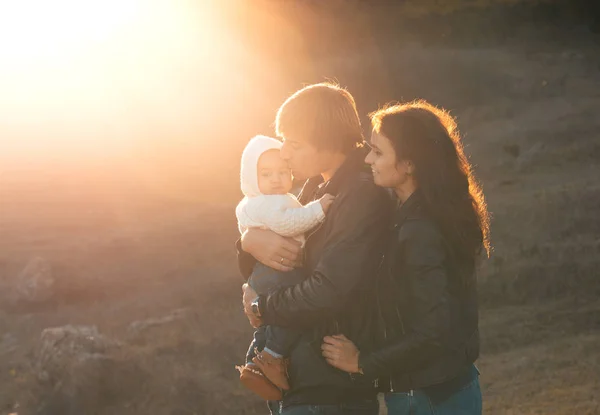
[274, 368]
[253, 379]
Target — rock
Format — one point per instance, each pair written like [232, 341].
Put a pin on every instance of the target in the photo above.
[61, 346]
[139, 326]
[36, 283]
[81, 371]
[42, 284]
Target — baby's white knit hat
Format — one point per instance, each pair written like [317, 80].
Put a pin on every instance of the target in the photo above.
[249, 169]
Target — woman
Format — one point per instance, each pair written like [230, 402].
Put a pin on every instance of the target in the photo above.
[427, 303]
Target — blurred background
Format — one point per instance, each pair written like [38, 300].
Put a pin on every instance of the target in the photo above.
[121, 128]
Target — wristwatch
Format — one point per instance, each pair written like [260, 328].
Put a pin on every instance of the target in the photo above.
[255, 307]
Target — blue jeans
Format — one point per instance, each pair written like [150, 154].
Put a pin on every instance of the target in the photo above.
[357, 408]
[278, 339]
[265, 279]
[463, 401]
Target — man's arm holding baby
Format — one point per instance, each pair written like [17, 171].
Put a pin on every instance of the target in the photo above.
[268, 248]
[351, 254]
[275, 247]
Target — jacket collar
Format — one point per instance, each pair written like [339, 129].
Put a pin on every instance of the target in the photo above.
[315, 187]
[411, 206]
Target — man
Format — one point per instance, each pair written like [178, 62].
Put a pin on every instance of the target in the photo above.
[322, 142]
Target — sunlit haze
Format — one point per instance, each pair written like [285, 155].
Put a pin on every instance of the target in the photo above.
[90, 75]
[122, 129]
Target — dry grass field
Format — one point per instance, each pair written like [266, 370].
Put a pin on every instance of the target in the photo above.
[122, 251]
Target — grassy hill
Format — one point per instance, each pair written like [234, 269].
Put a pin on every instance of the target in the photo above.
[134, 245]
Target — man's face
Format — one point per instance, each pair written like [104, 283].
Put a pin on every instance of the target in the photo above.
[304, 158]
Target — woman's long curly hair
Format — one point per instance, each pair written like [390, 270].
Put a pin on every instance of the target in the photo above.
[428, 137]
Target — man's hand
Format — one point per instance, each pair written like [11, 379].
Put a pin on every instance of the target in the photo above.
[248, 297]
[273, 250]
[341, 353]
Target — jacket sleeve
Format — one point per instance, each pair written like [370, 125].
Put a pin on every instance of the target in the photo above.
[350, 253]
[424, 258]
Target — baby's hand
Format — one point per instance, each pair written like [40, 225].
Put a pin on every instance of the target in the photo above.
[326, 201]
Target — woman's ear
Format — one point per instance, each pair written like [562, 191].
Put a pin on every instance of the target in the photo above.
[408, 167]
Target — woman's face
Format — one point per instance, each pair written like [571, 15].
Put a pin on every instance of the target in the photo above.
[387, 170]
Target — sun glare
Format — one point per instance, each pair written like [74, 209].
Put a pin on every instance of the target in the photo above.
[74, 64]
[34, 31]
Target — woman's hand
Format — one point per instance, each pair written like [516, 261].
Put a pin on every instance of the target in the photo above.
[341, 353]
[248, 297]
[273, 250]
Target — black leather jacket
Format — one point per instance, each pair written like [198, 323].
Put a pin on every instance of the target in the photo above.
[341, 260]
[428, 316]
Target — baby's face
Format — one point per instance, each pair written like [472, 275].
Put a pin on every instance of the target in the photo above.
[274, 175]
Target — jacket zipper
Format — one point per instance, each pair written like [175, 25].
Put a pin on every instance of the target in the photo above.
[385, 338]
[336, 323]
[379, 312]
[314, 230]
[384, 330]
[411, 392]
[306, 240]
[381, 317]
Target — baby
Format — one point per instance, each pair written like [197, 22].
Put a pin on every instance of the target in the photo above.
[266, 181]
